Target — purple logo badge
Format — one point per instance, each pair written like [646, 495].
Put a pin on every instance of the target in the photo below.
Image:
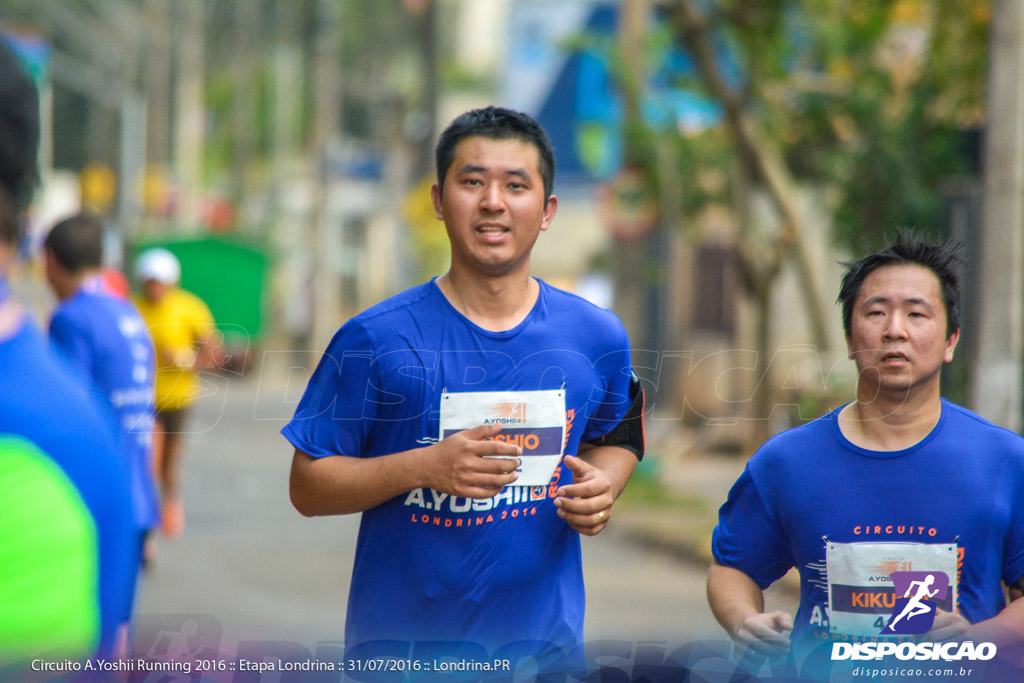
[917, 594]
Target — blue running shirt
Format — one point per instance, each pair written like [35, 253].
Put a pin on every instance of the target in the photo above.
[429, 566]
[42, 403]
[106, 340]
[809, 492]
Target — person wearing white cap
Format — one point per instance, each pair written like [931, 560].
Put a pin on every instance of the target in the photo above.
[183, 333]
[159, 266]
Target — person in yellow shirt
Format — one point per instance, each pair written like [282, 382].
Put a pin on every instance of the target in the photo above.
[185, 339]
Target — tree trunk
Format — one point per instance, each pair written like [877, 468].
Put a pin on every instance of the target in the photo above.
[765, 161]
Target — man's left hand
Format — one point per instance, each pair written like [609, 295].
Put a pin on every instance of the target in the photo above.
[948, 626]
[586, 504]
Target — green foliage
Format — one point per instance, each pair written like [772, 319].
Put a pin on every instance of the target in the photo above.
[651, 492]
[701, 158]
[380, 43]
[902, 85]
[874, 100]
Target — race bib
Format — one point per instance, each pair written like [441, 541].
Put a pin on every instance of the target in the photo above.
[532, 420]
[861, 594]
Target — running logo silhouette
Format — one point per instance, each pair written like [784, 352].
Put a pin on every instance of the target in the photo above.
[914, 612]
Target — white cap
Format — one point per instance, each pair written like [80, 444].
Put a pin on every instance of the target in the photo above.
[160, 265]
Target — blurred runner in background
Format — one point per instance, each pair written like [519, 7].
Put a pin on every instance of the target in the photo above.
[105, 338]
[185, 338]
[64, 575]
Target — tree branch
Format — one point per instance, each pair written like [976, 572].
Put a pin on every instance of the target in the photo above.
[692, 29]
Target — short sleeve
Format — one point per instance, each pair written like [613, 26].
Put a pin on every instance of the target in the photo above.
[612, 398]
[338, 408]
[200, 318]
[747, 539]
[72, 344]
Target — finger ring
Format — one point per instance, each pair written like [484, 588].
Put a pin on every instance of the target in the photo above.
[600, 515]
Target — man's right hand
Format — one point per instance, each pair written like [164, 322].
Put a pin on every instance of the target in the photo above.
[457, 465]
[765, 633]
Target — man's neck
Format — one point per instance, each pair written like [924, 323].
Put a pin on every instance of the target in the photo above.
[74, 282]
[895, 422]
[497, 303]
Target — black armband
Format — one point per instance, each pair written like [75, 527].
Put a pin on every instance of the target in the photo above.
[629, 433]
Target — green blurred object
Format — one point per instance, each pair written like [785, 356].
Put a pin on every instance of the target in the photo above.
[648, 468]
[230, 275]
[48, 559]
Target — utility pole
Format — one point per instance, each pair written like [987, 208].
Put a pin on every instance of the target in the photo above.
[133, 116]
[158, 82]
[424, 160]
[327, 116]
[246, 62]
[999, 371]
[190, 115]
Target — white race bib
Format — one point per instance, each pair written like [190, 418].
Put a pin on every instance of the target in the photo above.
[860, 592]
[532, 420]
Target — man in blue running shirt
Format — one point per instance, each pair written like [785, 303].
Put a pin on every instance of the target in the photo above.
[899, 485]
[107, 343]
[41, 403]
[427, 409]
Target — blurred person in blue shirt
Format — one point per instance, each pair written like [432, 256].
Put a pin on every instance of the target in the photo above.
[106, 341]
[42, 404]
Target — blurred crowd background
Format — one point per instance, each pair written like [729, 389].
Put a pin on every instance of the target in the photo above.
[716, 158]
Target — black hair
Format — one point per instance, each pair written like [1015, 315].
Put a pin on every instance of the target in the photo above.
[9, 221]
[77, 242]
[19, 141]
[496, 123]
[908, 248]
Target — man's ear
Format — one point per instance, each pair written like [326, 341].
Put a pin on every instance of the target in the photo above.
[550, 208]
[50, 262]
[435, 197]
[951, 342]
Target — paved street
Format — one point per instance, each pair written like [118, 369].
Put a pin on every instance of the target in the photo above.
[251, 564]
